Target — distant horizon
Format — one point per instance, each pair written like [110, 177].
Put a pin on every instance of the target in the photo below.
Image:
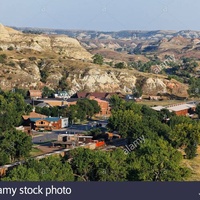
[31, 27]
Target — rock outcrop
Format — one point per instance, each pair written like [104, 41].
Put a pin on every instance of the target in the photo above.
[59, 44]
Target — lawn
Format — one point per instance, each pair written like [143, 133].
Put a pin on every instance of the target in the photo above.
[160, 103]
[194, 166]
[35, 152]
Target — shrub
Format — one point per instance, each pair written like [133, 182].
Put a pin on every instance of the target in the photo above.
[3, 57]
[10, 48]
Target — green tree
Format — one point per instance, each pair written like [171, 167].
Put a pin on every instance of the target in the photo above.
[16, 144]
[137, 92]
[156, 160]
[191, 150]
[198, 110]
[186, 135]
[120, 65]
[87, 108]
[98, 59]
[62, 85]
[47, 92]
[98, 166]
[125, 122]
[72, 113]
[116, 102]
[47, 169]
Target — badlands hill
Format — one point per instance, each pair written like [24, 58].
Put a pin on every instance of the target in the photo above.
[38, 60]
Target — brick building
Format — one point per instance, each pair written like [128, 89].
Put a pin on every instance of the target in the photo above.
[104, 105]
[183, 109]
[48, 124]
[34, 94]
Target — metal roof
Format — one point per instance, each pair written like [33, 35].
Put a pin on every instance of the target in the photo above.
[49, 119]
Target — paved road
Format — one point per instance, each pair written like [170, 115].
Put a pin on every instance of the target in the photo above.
[48, 136]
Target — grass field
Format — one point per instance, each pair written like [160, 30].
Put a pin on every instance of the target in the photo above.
[160, 103]
[194, 166]
[36, 152]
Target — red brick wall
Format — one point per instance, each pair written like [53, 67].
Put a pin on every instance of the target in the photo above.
[182, 112]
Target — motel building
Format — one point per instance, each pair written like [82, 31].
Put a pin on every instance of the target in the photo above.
[184, 109]
[48, 124]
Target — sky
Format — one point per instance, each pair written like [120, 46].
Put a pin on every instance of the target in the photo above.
[102, 15]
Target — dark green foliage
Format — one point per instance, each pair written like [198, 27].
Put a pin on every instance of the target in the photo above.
[62, 85]
[15, 145]
[137, 92]
[98, 166]
[12, 107]
[10, 48]
[120, 65]
[32, 58]
[47, 92]
[116, 103]
[198, 110]
[87, 108]
[48, 169]
[55, 111]
[3, 58]
[98, 59]
[191, 150]
[194, 89]
[44, 75]
[156, 160]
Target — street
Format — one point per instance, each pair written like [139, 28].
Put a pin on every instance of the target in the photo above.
[49, 136]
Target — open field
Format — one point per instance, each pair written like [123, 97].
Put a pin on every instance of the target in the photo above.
[35, 152]
[164, 102]
[194, 166]
[160, 103]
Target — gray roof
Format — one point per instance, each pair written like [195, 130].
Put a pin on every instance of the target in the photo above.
[181, 107]
[42, 105]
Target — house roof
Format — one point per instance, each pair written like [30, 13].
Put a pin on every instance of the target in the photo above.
[99, 95]
[181, 107]
[158, 108]
[35, 93]
[33, 115]
[42, 105]
[72, 99]
[175, 108]
[49, 119]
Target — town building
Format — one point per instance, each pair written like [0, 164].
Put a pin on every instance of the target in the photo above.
[75, 140]
[49, 102]
[48, 124]
[183, 109]
[104, 105]
[34, 94]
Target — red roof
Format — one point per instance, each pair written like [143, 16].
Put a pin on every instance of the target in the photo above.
[35, 93]
[99, 95]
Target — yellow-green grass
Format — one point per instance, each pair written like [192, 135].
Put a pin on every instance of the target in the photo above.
[36, 152]
[194, 166]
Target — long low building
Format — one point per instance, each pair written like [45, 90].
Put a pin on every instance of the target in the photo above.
[183, 109]
[48, 124]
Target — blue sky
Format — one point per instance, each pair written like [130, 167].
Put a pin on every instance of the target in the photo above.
[104, 15]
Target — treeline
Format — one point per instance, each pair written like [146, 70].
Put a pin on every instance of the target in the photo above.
[84, 108]
[14, 144]
[88, 165]
[132, 120]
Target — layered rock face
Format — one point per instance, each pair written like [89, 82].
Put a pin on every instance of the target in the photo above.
[34, 58]
[59, 44]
